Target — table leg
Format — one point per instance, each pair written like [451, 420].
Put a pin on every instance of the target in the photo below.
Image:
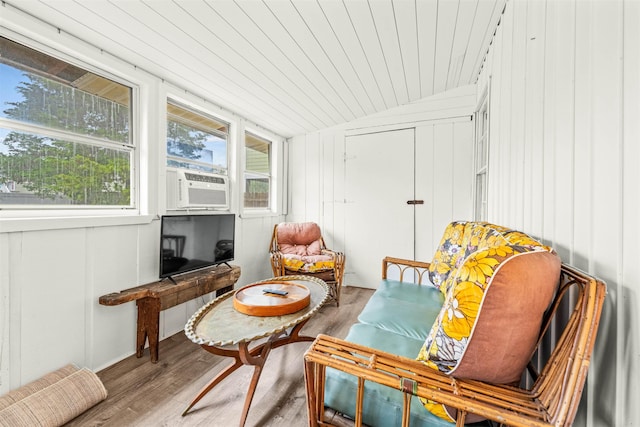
[255, 357]
[258, 363]
[141, 332]
[222, 375]
[148, 326]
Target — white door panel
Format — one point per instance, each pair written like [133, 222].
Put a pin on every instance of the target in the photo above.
[379, 180]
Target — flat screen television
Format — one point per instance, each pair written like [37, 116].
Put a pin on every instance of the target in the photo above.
[191, 242]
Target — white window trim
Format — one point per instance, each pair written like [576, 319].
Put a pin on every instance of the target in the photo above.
[172, 94]
[482, 105]
[70, 49]
[277, 174]
[196, 109]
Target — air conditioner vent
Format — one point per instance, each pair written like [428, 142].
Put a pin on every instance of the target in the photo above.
[204, 178]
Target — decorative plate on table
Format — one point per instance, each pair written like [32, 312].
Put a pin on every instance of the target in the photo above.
[272, 298]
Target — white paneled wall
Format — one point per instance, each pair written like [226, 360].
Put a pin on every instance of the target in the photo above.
[564, 129]
[443, 128]
[50, 282]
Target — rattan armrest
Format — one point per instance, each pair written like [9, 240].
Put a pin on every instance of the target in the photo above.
[338, 257]
[403, 265]
[501, 403]
[276, 263]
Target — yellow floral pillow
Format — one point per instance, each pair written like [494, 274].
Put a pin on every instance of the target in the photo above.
[467, 284]
[474, 236]
[521, 239]
[463, 238]
[447, 254]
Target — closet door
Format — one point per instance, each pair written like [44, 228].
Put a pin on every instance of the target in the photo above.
[379, 180]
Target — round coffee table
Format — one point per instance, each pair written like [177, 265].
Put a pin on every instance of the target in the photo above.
[222, 330]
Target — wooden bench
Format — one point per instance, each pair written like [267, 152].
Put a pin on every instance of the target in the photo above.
[166, 293]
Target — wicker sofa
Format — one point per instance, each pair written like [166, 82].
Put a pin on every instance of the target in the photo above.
[466, 334]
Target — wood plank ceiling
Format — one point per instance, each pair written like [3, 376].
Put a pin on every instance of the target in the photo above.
[290, 66]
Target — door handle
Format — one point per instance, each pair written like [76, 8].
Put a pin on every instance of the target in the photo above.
[415, 202]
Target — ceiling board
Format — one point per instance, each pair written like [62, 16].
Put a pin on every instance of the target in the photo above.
[222, 43]
[261, 46]
[427, 30]
[263, 17]
[342, 25]
[290, 66]
[406, 24]
[384, 19]
[447, 13]
[487, 19]
[464, 23]
[364, 25]
[310, 47]
[148, 55]
[317, 22]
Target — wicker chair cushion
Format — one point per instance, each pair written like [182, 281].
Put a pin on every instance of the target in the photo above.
[489, 322]
[308, 263]
[303, 239]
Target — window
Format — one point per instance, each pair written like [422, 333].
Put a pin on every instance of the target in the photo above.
[257, 175]
[65, 134]
[481, 161]
[196, 141]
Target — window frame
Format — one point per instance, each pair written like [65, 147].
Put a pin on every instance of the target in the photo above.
[277, 203]
[39, 217]
[269, 175]
[126, 148]
[481, 158]
[176, 102]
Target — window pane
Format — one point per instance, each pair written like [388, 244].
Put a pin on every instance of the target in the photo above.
[256, 192]
[42, 90]
[39, 170]
[258, 172]
[195, 141]
[481, 197]
[481, 153]
[65, 133]
[257, 154]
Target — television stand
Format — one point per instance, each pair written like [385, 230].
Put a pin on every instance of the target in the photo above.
[162, 294]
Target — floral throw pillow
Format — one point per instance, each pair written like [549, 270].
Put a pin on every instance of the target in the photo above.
[447, 254]
[453, 330]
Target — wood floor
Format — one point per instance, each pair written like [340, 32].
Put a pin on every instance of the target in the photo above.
[146, 394]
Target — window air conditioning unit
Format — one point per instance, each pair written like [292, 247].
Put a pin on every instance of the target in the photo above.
[194, 189]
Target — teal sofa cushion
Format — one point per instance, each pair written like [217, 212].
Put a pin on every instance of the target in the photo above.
[396, 319]
[382, 405]
[403, 308]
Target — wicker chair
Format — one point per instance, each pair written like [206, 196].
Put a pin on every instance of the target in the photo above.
[299, 249]
[549, 393]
